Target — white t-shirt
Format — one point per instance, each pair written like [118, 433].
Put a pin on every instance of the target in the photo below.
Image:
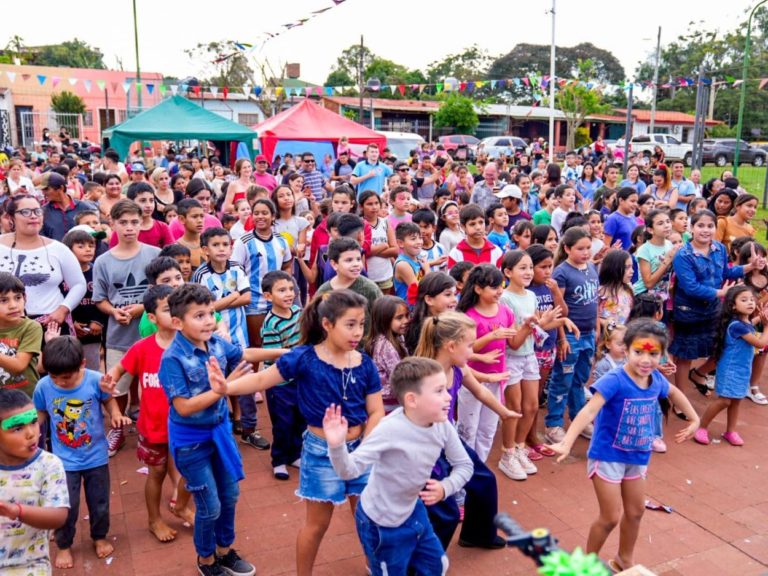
[379, 269]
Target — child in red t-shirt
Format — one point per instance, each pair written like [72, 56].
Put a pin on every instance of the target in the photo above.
[142, 361]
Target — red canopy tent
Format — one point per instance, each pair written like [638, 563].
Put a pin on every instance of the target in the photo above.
[307, 122]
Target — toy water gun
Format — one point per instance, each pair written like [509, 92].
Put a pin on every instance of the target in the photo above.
[543, 549]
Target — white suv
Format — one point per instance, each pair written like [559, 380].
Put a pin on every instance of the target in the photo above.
[672, 147]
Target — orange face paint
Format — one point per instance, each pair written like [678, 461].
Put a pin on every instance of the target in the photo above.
[646, 345]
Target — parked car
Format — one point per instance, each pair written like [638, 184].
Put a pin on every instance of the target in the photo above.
[721, 151]
[400, 144]
[672, 147]
[460, 146]
[507, 145]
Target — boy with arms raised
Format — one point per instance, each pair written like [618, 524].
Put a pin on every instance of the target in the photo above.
[33, 489]
[119, 283]
[199, 436]
[391, 519]
[71, 396]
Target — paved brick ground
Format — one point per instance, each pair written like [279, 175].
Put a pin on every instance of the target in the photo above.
[719, 526]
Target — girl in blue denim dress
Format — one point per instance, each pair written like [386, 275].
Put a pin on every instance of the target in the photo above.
[328, 369]
[735, 349]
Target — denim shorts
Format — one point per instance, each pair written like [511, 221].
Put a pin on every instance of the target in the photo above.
[615, 472]
[318, 480]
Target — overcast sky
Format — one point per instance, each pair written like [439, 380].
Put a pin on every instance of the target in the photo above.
[410, 33]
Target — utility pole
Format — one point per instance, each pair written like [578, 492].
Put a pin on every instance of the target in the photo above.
[628, 129]
[655, 83]
[360, 81]
[552, 80]
[138, 66]
[698, 124]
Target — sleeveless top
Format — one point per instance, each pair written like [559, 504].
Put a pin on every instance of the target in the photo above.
[458, 378]
[401, 288]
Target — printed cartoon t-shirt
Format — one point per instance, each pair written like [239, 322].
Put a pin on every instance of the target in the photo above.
[77, 423]
[624, 427]
[41, 481]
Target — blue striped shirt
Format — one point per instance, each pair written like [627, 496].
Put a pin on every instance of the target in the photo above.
[257, 257]
[280, 332]
[232, 280]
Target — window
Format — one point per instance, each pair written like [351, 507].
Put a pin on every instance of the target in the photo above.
[455, 139]
[502, 142]
[673, 140]
[659, 138]
[248, 119]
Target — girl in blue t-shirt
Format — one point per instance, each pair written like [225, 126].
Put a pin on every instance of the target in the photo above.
[577, 279]
[735, 348]
[328, 369]
[623, 407]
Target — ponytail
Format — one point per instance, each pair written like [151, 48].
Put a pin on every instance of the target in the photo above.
[437, 331]
[331, 306]
[569, 239]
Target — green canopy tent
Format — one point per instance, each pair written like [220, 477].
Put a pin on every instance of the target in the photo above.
[177, 119]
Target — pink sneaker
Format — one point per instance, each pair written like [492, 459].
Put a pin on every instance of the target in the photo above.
[733, 439]
[701, 436]
[658, 445]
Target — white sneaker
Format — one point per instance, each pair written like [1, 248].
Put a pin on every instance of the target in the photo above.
[521, 453]
[756, 396]
[554, 434]
[587, 432]
[510, 466]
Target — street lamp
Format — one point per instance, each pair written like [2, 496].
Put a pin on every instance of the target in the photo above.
[743, 96]
[372, 86]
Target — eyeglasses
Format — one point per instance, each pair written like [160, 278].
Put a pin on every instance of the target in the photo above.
[402, 169]
[309, 161]
[27, 212]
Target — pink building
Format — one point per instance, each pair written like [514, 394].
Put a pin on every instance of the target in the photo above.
[25, 100]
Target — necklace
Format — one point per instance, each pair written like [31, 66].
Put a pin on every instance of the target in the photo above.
[347, 376]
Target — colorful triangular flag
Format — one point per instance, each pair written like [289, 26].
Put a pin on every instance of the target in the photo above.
[174, 89]
[278, 90]
[87, 84]
[163, 89]
[41, 78]
[763, 82]
[213, 89]
[127, 86]
[438, 87]
[101, 84]
[26, 77]
[72, 81]
[11, 76]
[150, 88]
[55, 81]
[225, 91]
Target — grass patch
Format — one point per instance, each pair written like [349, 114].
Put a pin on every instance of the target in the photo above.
[752, 179]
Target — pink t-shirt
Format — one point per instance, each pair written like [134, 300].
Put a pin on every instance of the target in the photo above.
[266, 180]
[177, 228]
[159, 235]
[504, 318]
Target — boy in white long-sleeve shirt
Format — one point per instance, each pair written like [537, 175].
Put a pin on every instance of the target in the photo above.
[391, 519]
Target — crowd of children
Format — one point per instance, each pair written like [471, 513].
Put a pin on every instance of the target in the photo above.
[393, 330]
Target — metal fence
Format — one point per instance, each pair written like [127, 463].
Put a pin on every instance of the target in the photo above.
[33, 124]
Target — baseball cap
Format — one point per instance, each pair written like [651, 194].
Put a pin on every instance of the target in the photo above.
[98, 234]
[138, 167]
[52, 179]
[510, 191]
[261, 158]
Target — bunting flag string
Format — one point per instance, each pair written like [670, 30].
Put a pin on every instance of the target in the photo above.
[535, 84]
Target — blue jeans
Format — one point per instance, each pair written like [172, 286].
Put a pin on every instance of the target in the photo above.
[411, 548]
[248, 413]
[215, 493]
[566, 386]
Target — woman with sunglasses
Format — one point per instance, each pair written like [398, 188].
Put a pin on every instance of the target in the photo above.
[41, 264]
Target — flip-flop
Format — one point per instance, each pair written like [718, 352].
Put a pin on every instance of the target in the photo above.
[544, 450]
[172, 505]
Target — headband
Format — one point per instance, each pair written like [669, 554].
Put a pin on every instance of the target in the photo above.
[20, 419]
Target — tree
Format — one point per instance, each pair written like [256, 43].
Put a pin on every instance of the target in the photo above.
[67, 103]
[457, 112]
[577, 101]
[229, 63]
[72, 53]
[346, 70]
[533, 60]
[472, 63]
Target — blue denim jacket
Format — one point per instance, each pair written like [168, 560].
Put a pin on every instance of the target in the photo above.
[699, 277]
[183, 373]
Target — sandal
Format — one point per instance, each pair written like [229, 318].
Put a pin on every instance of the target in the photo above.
[756, 396]
[172, 505]
[700, 386]
[543, 449]
[533, 455]
[614, 566]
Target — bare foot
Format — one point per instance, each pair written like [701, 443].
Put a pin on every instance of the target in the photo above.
[162, 531]
[64, 559]
[103, 548]
[187, 515]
